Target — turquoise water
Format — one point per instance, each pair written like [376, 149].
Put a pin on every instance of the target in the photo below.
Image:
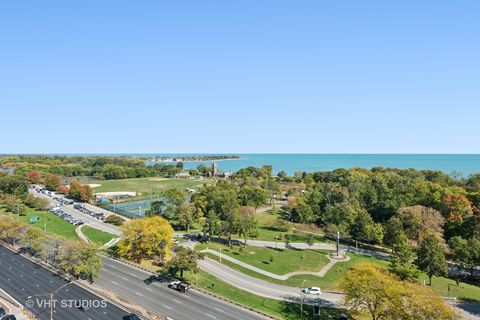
[448, 163]
[465, 164]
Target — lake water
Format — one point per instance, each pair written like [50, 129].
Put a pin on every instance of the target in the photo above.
[448, 163]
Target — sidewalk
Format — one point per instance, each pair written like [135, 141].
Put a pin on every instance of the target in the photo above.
[12, 309]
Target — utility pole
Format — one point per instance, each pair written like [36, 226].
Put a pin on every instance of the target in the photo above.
[338, 243]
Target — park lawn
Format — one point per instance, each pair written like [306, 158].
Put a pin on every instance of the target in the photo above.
[97, 236]
[280, 309]
[152, 185]
[55, 225]
[332, 280]
[464, 291]
[284, 260]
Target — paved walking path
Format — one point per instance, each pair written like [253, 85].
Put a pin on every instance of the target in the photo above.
[319, 273]
[80, 234]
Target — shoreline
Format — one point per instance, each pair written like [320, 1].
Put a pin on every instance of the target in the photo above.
[189, 161]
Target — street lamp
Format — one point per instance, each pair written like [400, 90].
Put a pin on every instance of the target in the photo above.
[51, 297]
[301, 299]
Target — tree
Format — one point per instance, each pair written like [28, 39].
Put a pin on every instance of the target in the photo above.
[254, 196]
[419, 220]
[394, 234]
[364, 229]
[174, 199]
[186, 216]
[150, 237]
[53, 182]
[465, 252]
[431, 257]
[402, 262]
[80, 259]
[34, 176]
[185, 259]
[246, 223]
[36, 202]
[80, 192]
[211, 224]
[33, 239]
[371, 290]
[10, 229]
[156, 208]
[229, 226]
[114, 219]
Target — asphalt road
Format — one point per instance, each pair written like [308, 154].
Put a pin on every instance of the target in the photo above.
[22, 278]
[133, 283]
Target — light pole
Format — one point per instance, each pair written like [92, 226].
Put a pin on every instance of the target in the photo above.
[50, 295]
[301, 299]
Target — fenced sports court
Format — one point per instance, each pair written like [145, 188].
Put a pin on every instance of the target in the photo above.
[131, 209]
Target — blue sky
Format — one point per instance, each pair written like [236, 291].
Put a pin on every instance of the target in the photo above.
[240, 76]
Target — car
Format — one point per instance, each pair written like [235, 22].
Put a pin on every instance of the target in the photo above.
[174, 284]
[312, 290]
[2, 312]
[9, 317]
[83, 308]
[131, 316]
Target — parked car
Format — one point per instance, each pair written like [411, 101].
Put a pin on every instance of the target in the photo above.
[2, 312]
[312, 290]
[9, 317]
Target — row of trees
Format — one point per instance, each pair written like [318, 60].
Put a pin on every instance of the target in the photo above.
[72, 256]
[100, 167]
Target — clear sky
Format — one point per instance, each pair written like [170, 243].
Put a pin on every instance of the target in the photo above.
[240, 76]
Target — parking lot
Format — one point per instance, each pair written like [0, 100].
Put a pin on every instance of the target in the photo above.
[75, 212]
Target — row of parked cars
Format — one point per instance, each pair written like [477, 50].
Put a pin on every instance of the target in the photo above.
[83, 209]
[65, 216]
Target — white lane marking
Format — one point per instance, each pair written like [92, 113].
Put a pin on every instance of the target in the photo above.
[138, 294]
[124, 278]
[149, 289]
[115, 283]
[208, 314]
[218, 309]
[165, 306]
[176, 301]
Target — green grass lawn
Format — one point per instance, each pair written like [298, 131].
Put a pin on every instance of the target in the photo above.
[151, 185]
[54, 224]
[96, 235]
[331, 281]
[280, 309]
[284, 260]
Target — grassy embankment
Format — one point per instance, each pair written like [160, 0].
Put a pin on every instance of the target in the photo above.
[97, 236]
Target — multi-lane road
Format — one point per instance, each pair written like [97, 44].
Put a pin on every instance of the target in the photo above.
[134, 284]
[31, 285]
[130, 282]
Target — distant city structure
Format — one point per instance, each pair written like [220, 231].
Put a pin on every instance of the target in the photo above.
[214, 171]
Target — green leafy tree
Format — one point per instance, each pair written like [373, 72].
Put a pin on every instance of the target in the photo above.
[247, 225]
[402, 262]
[394, 234]
[211, 224]
[465, 252]
[185, 259]
[253, 196]
[431, 257]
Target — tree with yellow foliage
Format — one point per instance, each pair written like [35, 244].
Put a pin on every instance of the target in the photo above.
[150, 237]
[377, 292]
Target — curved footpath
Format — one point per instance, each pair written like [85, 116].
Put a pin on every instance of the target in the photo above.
[319, 273]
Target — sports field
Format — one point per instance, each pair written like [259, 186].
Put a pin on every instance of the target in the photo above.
[145, 186]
